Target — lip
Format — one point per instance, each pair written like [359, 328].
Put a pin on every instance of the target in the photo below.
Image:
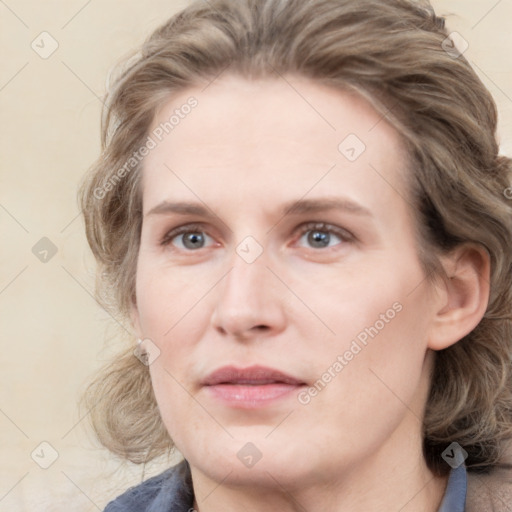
[253, 375]
[252, 387]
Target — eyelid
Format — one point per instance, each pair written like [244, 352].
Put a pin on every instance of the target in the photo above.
[342, 233]
[185, 228]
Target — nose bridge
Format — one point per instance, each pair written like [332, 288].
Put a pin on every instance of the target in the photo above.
[247, 298]
[244, 282]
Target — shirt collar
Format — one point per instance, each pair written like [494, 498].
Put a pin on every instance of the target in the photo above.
[176, 494]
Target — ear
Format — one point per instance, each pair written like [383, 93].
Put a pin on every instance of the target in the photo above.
[465, 294]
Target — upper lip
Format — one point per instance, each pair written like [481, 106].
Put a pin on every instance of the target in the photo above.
[253, 375]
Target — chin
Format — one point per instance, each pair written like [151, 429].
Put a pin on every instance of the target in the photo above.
[256, 461]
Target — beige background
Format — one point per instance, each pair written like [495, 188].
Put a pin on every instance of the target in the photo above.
[53, 333]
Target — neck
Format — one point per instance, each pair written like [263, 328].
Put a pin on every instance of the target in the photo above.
[408, 486]
[418, 492]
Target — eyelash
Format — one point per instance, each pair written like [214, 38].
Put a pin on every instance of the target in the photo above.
[343, 234]
[173, 233]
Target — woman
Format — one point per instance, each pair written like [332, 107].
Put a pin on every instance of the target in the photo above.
[302, 210]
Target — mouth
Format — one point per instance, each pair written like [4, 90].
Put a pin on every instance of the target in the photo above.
[248, 388]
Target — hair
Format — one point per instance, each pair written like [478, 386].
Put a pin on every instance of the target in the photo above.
[392, 53]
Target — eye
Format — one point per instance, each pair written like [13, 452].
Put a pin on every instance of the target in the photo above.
[319, 235]
[189, 237]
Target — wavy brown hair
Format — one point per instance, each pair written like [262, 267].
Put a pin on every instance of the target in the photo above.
[393, 54]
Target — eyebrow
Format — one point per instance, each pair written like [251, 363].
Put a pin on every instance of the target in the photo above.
[295, 207]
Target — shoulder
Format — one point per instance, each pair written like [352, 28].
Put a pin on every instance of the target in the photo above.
[169, 490]
[490, 492]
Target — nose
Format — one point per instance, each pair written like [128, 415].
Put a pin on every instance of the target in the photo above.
[249, 301]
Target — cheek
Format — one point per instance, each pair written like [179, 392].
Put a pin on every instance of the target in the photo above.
[358, 301]
[382, 366]
[180, 413]
[167, 297]
[381, 323]
[370, 381]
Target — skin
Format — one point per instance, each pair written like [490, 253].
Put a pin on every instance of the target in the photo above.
[248, 148]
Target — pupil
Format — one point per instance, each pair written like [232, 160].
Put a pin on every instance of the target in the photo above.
[319, 237]
[194, 239]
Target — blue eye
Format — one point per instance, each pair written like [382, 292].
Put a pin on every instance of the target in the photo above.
[320, 235]
[192, 237]
[317, 235]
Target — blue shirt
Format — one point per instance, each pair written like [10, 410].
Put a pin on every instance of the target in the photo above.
[171, 491]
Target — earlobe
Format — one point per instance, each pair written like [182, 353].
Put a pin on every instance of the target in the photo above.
[466, 290]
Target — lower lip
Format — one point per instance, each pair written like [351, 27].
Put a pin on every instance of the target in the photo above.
[251, 397]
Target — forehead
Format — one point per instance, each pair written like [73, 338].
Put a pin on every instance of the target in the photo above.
[272, 139]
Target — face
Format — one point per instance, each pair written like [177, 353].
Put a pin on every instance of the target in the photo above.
[279, 277]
